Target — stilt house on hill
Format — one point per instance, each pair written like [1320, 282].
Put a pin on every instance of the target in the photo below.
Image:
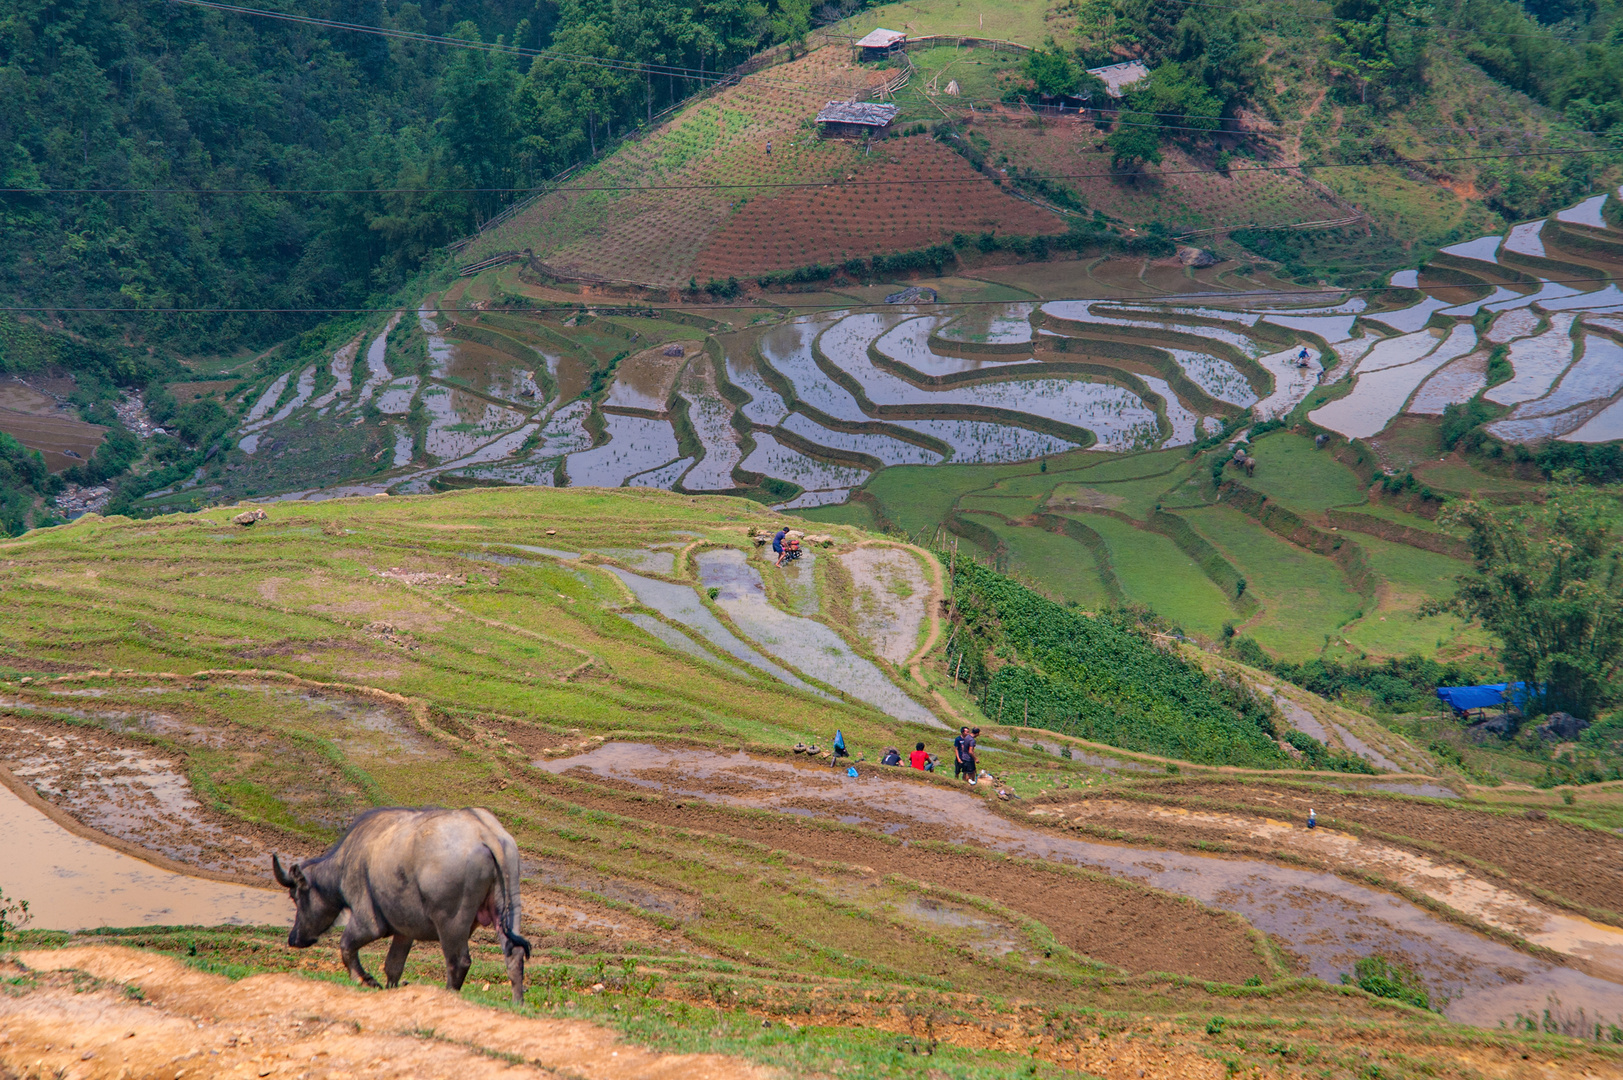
[856, 119]
[880, 43]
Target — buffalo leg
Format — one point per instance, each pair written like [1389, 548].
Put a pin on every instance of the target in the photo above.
[350, 946]
[396, 963]
[515, 972]
[457, 960]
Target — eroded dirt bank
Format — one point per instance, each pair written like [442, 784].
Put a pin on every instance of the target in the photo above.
[178, 1022]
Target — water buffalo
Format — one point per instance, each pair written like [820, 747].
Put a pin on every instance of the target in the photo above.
[415, 875]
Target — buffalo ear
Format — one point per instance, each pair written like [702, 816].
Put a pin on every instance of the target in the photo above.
[281, 875]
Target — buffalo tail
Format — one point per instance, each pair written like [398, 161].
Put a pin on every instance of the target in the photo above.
[507, 899]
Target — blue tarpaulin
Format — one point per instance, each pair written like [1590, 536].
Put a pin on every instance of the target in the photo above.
[1466, 698]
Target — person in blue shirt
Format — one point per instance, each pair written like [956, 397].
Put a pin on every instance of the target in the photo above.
[777, 544]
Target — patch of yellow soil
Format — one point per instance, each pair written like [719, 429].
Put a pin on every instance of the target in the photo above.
[188, 1023]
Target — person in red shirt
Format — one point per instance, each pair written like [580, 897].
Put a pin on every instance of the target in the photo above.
[919, 757]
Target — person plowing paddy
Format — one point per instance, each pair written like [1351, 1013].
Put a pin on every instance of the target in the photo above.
[777, 544]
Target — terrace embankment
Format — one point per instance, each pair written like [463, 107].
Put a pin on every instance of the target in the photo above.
[1137, 930]
[1571, 864]
[1325, 920]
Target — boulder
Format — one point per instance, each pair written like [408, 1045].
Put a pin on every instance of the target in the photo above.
[248, 517]
[1501, 726]
[1197, 257]
[1561, 727]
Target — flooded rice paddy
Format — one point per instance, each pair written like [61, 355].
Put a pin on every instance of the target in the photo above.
[72, 883]
[1325, 921]
[811, 647]
[924, 384]
[682, 606]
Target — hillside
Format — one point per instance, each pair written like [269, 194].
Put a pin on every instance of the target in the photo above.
[621, 678]
[1221, 165]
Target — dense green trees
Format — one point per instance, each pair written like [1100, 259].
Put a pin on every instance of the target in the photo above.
[1204, 63]
[1547, 582]
[1379, 45]
[22, 477]
[116, 94]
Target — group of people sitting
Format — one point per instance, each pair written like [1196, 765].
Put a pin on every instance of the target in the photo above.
[963, 755]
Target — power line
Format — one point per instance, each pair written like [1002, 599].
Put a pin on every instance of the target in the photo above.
[695, 74]
[855, 306]
[800, 184]
[1545, 34]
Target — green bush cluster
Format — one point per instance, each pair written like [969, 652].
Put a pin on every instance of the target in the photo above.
[1033, 660]
[1388, 979]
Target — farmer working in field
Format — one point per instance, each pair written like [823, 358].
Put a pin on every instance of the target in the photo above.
[777, 544]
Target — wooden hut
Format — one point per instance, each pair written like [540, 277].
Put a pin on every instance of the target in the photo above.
[856, 119]
[880, 43]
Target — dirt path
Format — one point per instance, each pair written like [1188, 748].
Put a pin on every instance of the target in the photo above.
[180, 1022]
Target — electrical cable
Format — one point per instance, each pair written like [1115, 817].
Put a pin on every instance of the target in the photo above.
[1545, 34]
[1181, 298]
[800, 184]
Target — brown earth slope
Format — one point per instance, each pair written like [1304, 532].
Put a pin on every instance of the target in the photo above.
[151, 1016]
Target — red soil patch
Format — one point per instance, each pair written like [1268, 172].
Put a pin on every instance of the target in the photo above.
[887, 209]
[1182, 190]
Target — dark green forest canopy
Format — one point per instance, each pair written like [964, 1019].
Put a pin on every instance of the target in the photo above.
[128, 94]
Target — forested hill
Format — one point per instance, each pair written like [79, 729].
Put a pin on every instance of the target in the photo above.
[144, 95]
[122, 94]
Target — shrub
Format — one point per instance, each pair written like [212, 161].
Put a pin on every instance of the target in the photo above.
[1388, 979]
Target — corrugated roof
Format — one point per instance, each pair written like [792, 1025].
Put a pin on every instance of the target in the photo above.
[880, 38]
[1117, 77]
[871, 113]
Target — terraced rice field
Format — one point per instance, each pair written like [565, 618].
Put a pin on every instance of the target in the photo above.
[833, 394]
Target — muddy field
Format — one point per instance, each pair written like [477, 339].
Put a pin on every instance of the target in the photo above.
[1129, 929]
[1529, 851]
